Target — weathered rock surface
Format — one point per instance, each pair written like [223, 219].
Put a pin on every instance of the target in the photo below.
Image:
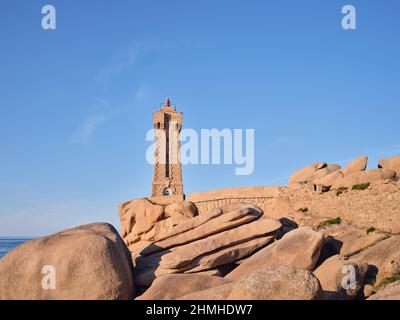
[277, 208]
[328, 218]
[197, 221]
[389, 292]
[90, 262]
[363, 177]
[143, 221]
[230, 254]
[158, 231]
[392, 164]
[210, 272]
[336, 278]
[358, 164]
[180, 211]
[368, 290]
[377, 206]
[276, 283]
[330, 179]
[336, 177]
[149, 267]
[348, 240]
[207, 241]
[173, 286]
[189, 252]
[299, 248]
[221, 223]
[383, 259]
[139, 216]
[310, 173]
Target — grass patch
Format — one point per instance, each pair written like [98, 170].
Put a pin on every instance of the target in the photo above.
[370, 230]
[329, 222]
[304, 210]
[393, 278]
[361, 186]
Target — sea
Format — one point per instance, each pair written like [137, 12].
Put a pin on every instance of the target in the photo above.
[9, 243]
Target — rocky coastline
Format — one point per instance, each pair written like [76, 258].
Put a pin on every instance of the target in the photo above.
[332, 234]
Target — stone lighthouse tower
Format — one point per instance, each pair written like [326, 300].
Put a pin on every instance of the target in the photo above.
[167, 175]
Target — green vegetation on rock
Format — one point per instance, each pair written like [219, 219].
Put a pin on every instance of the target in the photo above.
[361, 186]
[329, 222]
[393, 278]
[341, 190]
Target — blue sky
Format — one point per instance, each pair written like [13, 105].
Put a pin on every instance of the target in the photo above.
[76, 102]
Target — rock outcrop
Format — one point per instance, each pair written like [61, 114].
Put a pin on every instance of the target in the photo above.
[273, 283]
[357, 165]
[335, 177]
[389, 292]
[215, 239]
[310, 173]
[347, 240]
[87, 262]
[143, 222]
[213, 226]
[327, 220]
[360, 178]
[383, 259]
[188, 253]
[181, 210]
[392, 164]
[375, 205]
[355, 174]
[332, 234]
[340, 279]
[174, 286]
[299, 249]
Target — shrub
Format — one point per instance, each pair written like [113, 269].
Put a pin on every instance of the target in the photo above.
[304, 210]
[370, 230]
[341, 190]
[361, 186]
[329, 222]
